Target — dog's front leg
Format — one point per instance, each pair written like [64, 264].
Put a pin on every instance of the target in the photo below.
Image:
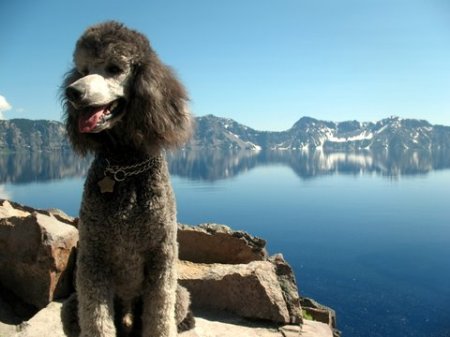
[95, 297]
[158, 317]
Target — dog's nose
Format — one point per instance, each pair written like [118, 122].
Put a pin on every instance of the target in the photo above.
[74, 94]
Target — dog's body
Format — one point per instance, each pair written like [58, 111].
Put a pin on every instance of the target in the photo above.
[126, 107]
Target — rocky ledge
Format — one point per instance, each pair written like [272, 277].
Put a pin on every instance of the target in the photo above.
[237, 289]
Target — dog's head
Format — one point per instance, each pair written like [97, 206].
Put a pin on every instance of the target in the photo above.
[120, 95]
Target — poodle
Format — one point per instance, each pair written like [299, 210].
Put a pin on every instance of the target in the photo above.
[122, 104]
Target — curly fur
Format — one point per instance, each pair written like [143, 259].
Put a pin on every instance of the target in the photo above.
[157, 115]
[128, 248]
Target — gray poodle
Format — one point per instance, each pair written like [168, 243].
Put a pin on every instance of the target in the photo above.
[126, 107]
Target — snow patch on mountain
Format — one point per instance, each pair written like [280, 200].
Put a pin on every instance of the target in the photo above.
[365, 135]
[308, 134]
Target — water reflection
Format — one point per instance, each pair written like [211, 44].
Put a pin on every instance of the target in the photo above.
[213, 165]
[25, 167]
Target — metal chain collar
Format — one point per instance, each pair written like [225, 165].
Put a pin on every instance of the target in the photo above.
[120, 173]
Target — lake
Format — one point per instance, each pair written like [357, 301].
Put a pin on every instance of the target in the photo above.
[367, 234]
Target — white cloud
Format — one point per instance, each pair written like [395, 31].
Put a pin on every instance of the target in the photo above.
[4, 106]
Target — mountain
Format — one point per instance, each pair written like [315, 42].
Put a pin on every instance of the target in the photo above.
[34, 135]
[223, 133]
[213, 132]
[392, 133]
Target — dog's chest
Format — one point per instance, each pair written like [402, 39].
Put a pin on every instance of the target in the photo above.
[138, 210]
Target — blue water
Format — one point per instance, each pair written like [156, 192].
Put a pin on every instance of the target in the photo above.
[374, 248]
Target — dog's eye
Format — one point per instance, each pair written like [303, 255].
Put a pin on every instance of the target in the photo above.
[113, 69]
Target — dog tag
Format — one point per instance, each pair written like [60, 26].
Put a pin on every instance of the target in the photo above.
[106, 185]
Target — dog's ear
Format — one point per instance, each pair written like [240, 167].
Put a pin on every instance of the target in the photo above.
[158, 115]
[79, 144]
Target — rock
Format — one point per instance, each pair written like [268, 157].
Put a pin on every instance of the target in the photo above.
[320, 313]
[290, 330]
[9, 209]
[207, 325]
[212, 243]
[316, 329]
[61, 216]
[7, 314]
[227, 273]
[36, 253]
[250, 290]
[46, 320]
[7, 330]
[218, 244]
[12, 309]
[286, 279]
[216, 328]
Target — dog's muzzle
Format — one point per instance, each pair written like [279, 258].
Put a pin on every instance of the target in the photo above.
[93, 90]
[99, 102]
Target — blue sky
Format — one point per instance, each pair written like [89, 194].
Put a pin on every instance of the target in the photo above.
[264, 63]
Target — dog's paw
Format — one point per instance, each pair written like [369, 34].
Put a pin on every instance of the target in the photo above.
[183, 314]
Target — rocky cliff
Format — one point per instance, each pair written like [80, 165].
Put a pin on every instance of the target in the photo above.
[32, 135]
[393, 134]
[237, 289]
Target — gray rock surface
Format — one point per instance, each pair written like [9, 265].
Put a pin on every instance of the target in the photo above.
[48, 320]
[288, 284]
[318, 311]
[35, 251]
[316, 329]
[45, 321]
[7, 330]
[250, 290]
[230, 279]
[219, 244]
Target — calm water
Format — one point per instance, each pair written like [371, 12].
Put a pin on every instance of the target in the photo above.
[367, 234]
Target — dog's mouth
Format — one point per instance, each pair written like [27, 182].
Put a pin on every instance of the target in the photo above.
[94, 119]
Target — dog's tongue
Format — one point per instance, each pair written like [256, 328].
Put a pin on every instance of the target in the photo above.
[88, 120]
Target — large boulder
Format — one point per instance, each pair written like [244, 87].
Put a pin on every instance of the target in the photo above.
[213, 243]
[36, 253]
[250, 290]
[227, 277]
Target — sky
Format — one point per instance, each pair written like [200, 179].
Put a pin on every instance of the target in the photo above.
[263, 63]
